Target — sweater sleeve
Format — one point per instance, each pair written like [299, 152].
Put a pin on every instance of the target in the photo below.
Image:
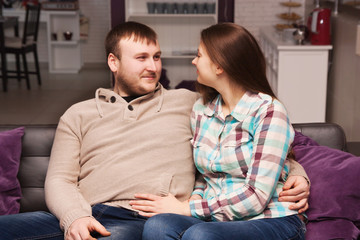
[297, 170]
[61, 186]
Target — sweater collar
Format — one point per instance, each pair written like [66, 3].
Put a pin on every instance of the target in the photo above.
[109, 96]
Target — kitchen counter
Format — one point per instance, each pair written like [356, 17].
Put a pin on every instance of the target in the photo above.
[274, 37]
[297, 75]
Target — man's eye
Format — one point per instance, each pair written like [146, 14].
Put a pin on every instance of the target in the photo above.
[157, 57]
[141, 57]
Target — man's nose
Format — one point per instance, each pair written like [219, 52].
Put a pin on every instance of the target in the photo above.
[151, 65]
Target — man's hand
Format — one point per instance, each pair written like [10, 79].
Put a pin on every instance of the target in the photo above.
[81, 228]
[151, 205]
[296, 189]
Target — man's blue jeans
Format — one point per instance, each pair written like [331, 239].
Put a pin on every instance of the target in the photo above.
[122, 223]
[173, 226]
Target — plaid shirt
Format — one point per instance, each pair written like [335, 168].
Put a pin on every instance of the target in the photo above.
[242, 158]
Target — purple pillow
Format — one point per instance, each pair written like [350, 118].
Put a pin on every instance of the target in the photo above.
[334, 202]
[10, 152]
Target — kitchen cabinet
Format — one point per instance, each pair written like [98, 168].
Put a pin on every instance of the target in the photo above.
[297, 74]
[178, 34]
[64, 54]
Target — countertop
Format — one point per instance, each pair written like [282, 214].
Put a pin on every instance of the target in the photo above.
[275, 37]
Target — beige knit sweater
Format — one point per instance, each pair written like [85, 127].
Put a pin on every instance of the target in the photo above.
[106, 150]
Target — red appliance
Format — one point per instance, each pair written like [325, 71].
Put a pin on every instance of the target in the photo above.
[319, 26]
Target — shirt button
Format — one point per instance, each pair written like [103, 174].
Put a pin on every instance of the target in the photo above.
[113, 99]
[130, 107]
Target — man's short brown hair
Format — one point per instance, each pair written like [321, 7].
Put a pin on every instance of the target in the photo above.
[139, 31]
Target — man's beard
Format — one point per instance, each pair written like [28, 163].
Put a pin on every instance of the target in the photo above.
[129, 89]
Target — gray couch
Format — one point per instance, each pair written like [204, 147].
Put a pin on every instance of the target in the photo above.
[38, 139]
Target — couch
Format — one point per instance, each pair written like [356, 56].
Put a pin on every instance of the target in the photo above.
[37, 143]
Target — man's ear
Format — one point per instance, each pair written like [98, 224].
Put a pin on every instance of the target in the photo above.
[113, 62]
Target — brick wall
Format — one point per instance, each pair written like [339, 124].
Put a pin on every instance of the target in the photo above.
[253, 14]
[98, 13]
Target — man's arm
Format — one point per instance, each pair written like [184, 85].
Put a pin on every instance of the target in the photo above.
[297, 170]
[61, 186]
[297, 188]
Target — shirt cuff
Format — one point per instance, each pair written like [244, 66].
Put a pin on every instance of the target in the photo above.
[200, 209]
[198, 192]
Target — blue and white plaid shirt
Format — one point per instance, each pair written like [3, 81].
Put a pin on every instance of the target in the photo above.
[242, 158]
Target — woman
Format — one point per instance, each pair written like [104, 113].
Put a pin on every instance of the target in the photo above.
[242, 136]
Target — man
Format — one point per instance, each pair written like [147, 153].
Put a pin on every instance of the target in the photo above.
[134, 138]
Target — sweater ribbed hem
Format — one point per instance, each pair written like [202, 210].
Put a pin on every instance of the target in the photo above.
[70, 217]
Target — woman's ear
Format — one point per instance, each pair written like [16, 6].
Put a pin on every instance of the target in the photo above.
[219, 70]
[113, 62]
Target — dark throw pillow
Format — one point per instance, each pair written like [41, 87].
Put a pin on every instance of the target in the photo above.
[334, 202]
[10, 152]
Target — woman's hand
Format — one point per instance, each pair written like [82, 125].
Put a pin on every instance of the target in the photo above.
[150, 205]
[296, 189]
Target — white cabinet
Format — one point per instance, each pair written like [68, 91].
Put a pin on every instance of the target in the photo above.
[178, 34]
[64, 55]
[298, 75]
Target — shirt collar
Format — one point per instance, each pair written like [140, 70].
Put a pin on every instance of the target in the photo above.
[213, 107]
[240, 112]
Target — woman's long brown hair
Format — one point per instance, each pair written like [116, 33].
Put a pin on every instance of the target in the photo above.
[237, 52]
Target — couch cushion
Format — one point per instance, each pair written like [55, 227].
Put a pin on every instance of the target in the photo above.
[335, 190]
[10, 151]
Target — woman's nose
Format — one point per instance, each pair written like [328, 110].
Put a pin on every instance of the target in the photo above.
[194, 61]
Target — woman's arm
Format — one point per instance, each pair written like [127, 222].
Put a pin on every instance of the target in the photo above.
[199, 185]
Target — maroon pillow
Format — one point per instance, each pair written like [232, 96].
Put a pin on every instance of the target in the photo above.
[334, 202]
[10, 152]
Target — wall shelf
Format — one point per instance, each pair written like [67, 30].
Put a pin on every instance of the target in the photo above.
[173, 15]
[72, 42]
[178, 35]
[64, 55]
